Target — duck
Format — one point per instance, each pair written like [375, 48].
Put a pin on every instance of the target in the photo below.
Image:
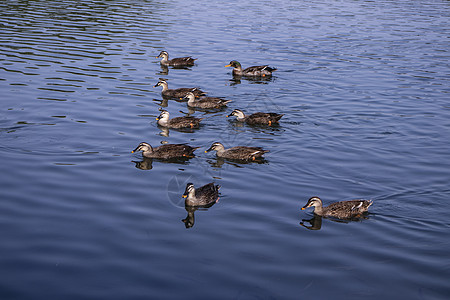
[341, 210]
[237, 152]
[177, 93]
[258, 118]
[203, 196]
[178, 122]
[166, 151]
[176, 62]
[255, 71]
[205, 102]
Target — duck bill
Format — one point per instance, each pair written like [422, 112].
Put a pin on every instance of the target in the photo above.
[227, 66]
[135, 150]
[184, 196]
[303, 208]
[157, 119]
[207, 150]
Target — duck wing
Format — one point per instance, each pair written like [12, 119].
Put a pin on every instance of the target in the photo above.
[244, 153]
[210, 102]
[182, 61]
[259, 70]
[207, 194]
[263, 118]
[347, 209]
[184, 122]
[172, 151]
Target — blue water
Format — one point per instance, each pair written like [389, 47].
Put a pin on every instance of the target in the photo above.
[364, 86]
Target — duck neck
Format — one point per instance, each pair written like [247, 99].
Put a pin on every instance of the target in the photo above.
[240, 117]
[164, 58]
[147, 151]
[165, 86]
[237, 70]
[220, 151]
[190, 199]
[318, 210]
[191, 99]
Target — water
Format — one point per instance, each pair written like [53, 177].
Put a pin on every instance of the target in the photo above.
[364, 89]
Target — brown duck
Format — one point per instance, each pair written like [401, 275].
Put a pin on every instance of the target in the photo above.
[176, 62]
[238, 152]
[166, 151]
[258, 118]
[205, 102]
[202, 196]
[341, 210]
[255, 71]
[178, 122]
[177, 93]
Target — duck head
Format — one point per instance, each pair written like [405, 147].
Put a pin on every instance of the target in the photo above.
[215, 147]
[144, 147]
[313, 201]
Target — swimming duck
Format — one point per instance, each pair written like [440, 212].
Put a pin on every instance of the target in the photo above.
[202, 196]
[258, 118]
[178, 122]
[177, 93]
[250, 71]
[341, 210]
[205, 102]
[238, 152]
[176, 62]
[166, 151]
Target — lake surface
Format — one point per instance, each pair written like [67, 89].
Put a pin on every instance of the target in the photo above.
[364, 86]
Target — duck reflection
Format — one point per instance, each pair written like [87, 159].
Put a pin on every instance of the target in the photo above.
[218, 162]
[200, 198]
[147, 163]
[166, 131]
[252, 80]
[165, 69]
[315, 223]
[190, 218]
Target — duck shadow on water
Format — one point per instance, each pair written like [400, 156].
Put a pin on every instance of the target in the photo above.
[166, 131]
[205, 111]
[258, 128]
[165, 69]
[253, 80]
[315, 223]
[218, 162]
[189, 221]
[164, 102]
[147, 163]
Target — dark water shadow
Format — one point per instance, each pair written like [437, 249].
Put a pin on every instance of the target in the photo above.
[218, 162]
[147, 163]
[189, 221]
[315, 223]
[165, 69]
[165, 131]
[253, 80]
